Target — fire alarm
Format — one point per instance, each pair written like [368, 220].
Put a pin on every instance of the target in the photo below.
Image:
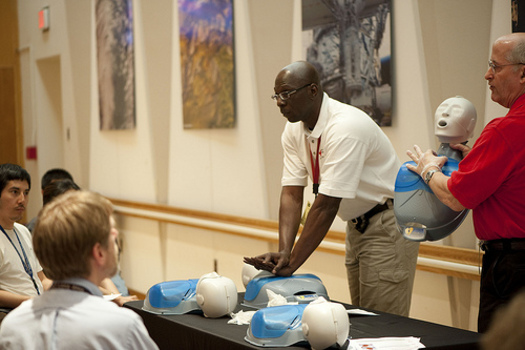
[31, 152]
[43, 19]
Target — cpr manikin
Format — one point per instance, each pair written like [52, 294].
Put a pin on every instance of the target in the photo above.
[420, 215]
[216, 295]
[249, 272]
[325, 324]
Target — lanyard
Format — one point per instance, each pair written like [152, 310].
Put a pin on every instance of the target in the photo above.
[70, 286]
[24, 260]
[315, 168]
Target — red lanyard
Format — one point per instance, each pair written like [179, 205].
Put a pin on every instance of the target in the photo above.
[315, 168]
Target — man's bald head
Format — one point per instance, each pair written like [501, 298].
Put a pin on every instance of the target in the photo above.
[302, 72]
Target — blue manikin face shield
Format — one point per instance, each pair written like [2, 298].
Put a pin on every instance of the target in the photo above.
[276, 326]
[172, 297]
[300, 288]
[321, 323]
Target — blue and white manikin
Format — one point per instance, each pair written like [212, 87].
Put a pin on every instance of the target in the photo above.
[420, 215]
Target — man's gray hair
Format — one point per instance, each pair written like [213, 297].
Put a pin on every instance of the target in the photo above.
[517, 54]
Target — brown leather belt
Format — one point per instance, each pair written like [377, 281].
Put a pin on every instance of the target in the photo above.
[361, 222]
[509, 244]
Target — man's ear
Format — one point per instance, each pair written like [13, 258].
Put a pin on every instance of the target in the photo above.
[98, 254]
[314, 89]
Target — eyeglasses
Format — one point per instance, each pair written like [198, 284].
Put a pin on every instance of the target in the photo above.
[493, 66]
[286, 94]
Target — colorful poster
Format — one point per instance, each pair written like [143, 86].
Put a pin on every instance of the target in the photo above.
[207, 63]
[116, 64]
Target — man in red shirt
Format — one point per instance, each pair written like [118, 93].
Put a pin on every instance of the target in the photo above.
[491, 180]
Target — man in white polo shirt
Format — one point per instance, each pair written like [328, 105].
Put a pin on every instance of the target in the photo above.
[353, 168]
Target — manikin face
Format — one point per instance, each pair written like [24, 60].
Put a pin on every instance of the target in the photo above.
[455, 120]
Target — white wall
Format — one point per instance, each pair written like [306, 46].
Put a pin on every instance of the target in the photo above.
[234, 171]
[440, 49]
[220, 170]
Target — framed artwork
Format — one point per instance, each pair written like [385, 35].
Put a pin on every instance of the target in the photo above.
[517, 8]
[116, 64]
[207, 63]
[348, 41]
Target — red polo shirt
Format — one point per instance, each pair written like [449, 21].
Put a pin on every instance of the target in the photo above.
[491, 178]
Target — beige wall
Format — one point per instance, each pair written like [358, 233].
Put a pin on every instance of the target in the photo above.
[440, 49]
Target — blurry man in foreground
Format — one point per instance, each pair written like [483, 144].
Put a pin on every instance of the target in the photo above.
[74, 239]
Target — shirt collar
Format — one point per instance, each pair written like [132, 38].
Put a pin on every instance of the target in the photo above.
[93, 289]
[321, 120]
[520, 101]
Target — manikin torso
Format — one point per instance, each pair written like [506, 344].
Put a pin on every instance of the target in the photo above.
[420, 215]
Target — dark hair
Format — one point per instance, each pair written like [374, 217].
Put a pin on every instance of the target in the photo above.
[53, 175]
[10, 172]
[58, 187]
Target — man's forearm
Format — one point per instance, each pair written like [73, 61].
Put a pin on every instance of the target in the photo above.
[289, 216]
[11, 300]
[317, 224]
[439, 186]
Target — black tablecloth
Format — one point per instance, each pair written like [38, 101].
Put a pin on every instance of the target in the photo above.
[194, 331]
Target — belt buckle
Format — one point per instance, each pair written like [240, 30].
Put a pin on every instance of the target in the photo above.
[360, 223]
[483, 246]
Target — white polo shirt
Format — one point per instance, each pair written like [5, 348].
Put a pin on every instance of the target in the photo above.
[356, 159]
[13, 277]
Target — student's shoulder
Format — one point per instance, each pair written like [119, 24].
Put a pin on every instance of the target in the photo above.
[112, 310]
[22, 230]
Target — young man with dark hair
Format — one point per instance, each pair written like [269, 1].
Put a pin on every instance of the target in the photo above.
[21, 276]
[48, 178]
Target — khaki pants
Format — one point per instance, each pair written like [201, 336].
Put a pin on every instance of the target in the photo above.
[381, 265]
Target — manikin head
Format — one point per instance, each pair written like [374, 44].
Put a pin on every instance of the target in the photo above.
[249, 272]
[216, 295]
[455, 120]
[325, 324]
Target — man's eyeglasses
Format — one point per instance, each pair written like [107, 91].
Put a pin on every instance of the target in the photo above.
[286, 94]
[493, 66]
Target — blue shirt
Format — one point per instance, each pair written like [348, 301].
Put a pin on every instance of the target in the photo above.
[71, 319]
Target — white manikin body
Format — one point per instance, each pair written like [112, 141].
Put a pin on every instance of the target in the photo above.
[420, 215]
